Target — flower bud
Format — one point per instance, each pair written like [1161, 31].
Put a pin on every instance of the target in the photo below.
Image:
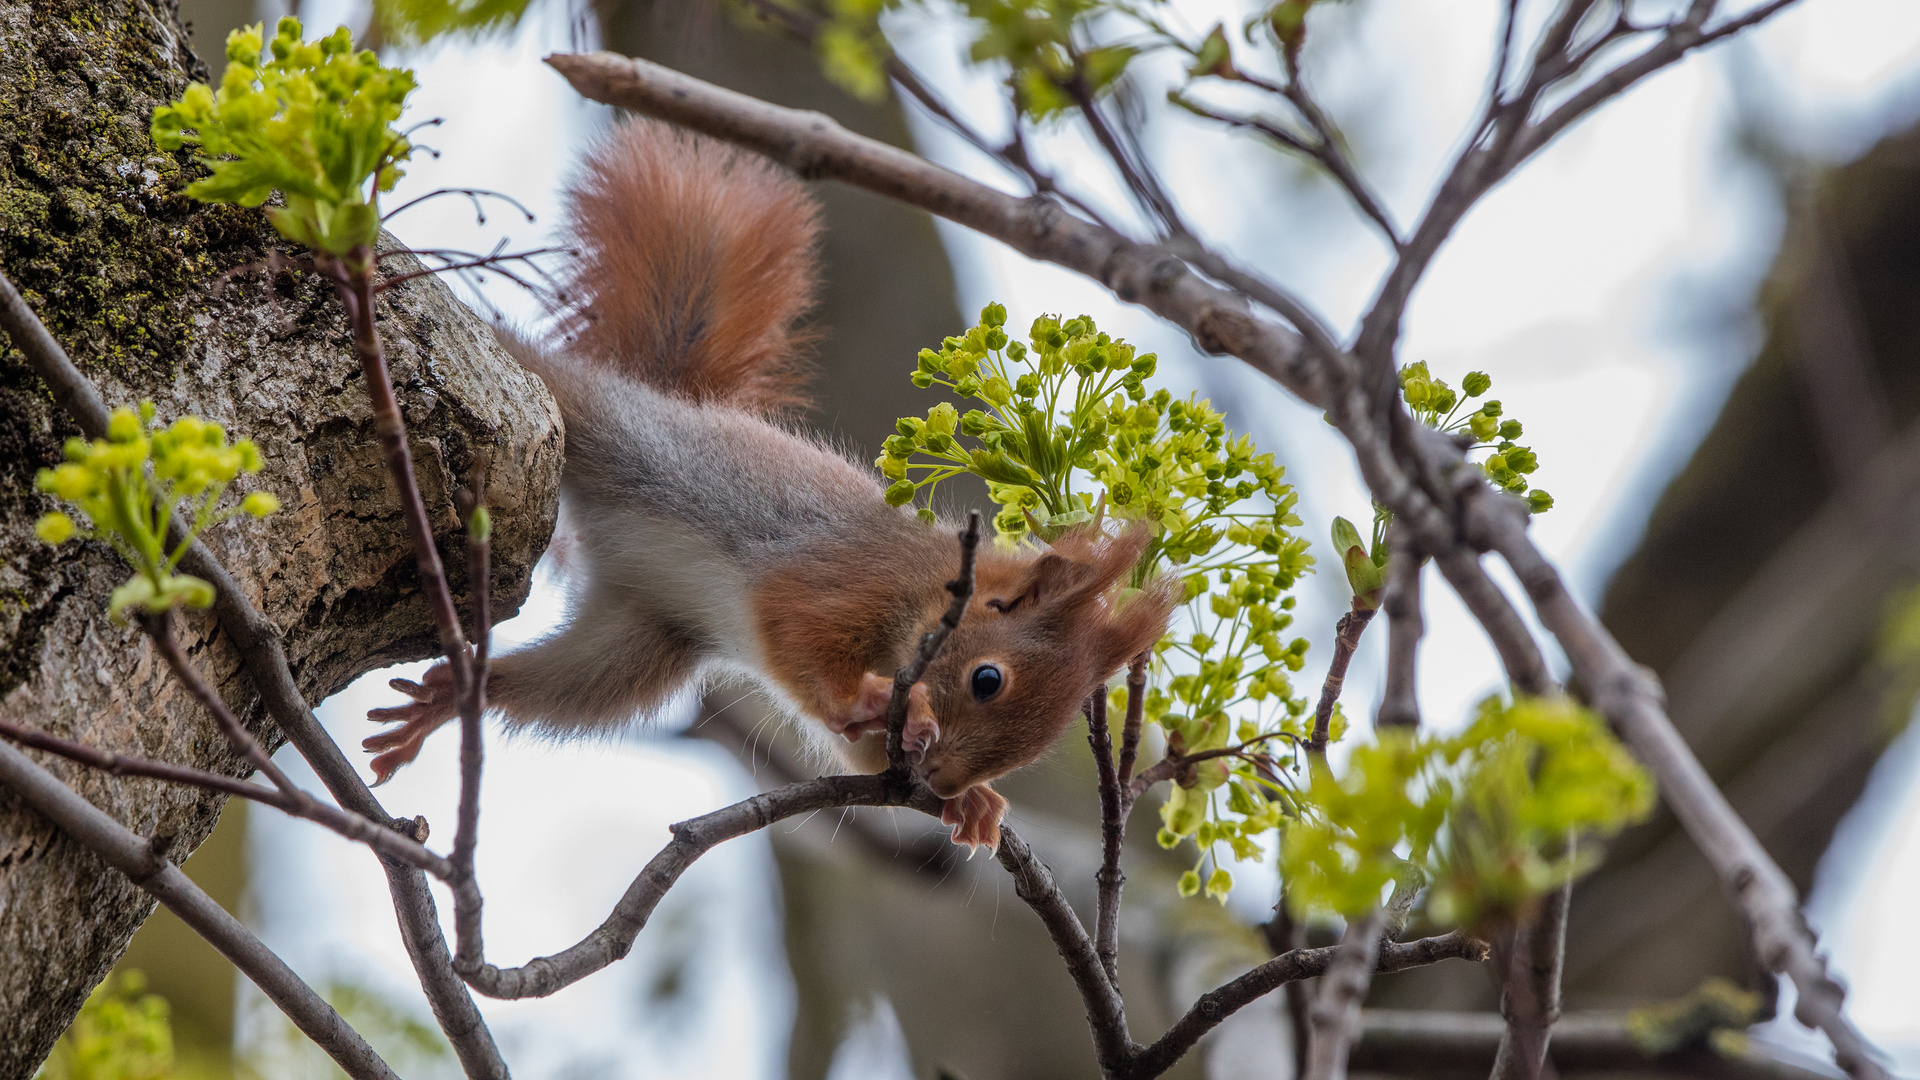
[54, 528]
[124, 427]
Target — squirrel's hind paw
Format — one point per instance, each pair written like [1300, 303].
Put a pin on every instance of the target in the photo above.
[975, 816]
[432, 706]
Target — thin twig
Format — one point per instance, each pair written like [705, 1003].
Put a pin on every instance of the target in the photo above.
[1136, 715]
[1173, 766]
[691, 839]
[961, 589]
[1106, 924]
[479, 262]
[159, 628]
[1321, 149]
[146, 868]
[356, 294]
[1148, 192]
[467, 902]
[473, 196]
[1346, 638]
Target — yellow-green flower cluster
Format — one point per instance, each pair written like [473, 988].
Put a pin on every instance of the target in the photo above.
[1437, 405]
[311, 120]
[1490, 816]
[133, 483]
[1528, 778]
[1066, 432]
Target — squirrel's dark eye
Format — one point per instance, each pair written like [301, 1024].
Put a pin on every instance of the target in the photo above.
[986, 681]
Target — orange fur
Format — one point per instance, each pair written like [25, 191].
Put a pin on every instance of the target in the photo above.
[1053, 622]
[696, 263]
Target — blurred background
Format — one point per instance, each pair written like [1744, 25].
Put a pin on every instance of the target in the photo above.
[1705, 305]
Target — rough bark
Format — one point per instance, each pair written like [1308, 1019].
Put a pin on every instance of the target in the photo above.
[122, 266]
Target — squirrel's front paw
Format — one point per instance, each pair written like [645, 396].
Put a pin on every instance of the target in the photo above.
[433, 705]
[975, 816]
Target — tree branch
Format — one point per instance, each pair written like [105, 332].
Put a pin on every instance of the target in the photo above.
[1346, 638]
[1336, 1011]
[1137, 175]
[1106, 925]
[1136, 714]
[1214, 1007]
[1400, 703]
[1528, 961]
[1631, 699]
[1328, 151]
[146, 868]
[1406, 1041]
[467, 901]
[614, 937]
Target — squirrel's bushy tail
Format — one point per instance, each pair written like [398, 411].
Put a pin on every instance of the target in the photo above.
[696, 263]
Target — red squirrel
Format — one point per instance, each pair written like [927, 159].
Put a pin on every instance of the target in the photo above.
[708, 536]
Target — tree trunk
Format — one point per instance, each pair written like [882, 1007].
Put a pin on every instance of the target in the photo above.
[96, 233]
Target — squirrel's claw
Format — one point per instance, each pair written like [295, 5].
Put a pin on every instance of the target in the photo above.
[922, 730]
